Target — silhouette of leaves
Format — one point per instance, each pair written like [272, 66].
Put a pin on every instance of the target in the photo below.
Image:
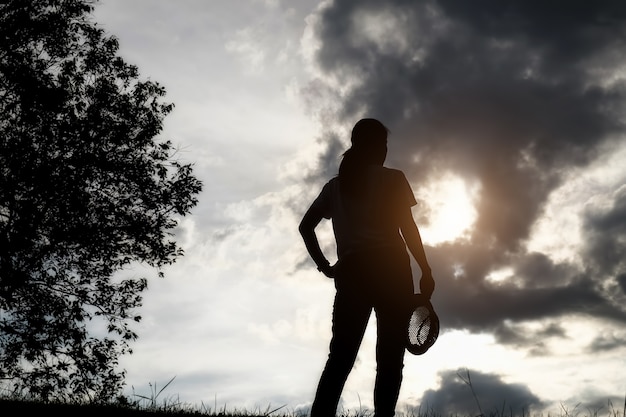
[86, 189]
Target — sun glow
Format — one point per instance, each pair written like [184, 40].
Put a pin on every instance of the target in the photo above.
[448, 204]
[500, 275]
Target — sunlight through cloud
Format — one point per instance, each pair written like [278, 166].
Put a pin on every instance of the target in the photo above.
[500, 275]
[451, 211]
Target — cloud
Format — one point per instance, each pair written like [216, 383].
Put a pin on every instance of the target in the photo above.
[512, 97]
[466, 101]
[607, 341]
[605, 231]
[461, 391]
[525, 336]
[246, 46]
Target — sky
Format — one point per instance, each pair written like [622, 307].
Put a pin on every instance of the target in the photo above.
[507, 119]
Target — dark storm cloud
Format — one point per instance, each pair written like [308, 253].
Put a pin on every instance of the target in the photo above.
[509, 95]
[524, 337]
[605, 232]
[539, 290]
[496, 107]
[486, 307]
[606, 342]
[464, 392]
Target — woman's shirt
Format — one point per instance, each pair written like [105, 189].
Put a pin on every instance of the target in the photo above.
[371, 219]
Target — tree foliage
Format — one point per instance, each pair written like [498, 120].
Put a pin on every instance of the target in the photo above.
[86, 189]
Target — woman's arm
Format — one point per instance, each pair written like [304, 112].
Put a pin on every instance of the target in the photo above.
[307, 229]
[414, 243]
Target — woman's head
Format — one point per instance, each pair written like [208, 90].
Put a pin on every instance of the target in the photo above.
[369, 138]
[369, 147]
[366, 131]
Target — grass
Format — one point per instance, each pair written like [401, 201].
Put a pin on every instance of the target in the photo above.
[137, 405]
[150, 407]
[10, 408]
[155, 405]
[20, 407]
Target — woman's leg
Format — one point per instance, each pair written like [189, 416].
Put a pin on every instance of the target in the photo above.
[393, 309]
[390, 347]
[350, 316]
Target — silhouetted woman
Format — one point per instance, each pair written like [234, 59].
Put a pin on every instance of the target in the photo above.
[370, 207]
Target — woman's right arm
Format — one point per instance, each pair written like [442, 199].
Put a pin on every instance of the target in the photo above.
[307, 227]
[413, 240]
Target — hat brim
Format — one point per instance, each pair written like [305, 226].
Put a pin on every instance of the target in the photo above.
[423, 326]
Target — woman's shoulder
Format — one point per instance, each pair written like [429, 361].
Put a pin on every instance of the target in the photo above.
[387, 172]
[332, 183]
[331, 186]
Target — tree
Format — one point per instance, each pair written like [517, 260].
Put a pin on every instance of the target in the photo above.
[86, 190]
